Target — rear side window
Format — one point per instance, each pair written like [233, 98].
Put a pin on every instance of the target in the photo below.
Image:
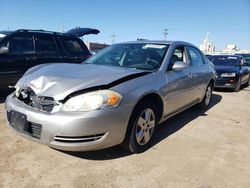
[73, 46]
[195, 57]
[21, 44]
[46, 43]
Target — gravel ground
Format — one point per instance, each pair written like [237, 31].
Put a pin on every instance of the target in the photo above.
[193, 149]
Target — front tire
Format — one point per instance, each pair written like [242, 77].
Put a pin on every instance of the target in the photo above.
[237, 88]
[141, 127]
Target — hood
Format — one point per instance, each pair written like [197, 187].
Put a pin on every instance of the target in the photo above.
[79, 32]
[60, 80]
[222, 68]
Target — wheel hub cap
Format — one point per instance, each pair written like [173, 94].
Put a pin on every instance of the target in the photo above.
[145, 126]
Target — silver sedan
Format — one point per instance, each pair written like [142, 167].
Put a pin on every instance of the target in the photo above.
[116, 97]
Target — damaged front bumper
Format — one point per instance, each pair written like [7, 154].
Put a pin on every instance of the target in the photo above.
[71, 131]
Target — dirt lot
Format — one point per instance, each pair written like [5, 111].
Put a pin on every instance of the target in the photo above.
[193, 149]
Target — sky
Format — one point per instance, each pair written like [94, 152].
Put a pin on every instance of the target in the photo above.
[227, 21]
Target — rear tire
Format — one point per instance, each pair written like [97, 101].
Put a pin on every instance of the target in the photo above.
[141, 127]
[207, 98]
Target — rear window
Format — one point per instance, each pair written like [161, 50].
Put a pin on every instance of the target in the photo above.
[72, 45]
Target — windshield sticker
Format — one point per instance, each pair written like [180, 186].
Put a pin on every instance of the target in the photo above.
[157, 46]
[232, 57]
[2, 35]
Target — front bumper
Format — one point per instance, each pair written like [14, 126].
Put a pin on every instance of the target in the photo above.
[226, 82]
[73, 131]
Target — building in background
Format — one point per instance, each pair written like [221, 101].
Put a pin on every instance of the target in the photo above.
[207, 46]
[95, 46]
[232, 49]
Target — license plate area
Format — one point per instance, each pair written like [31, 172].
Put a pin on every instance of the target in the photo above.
[18, 121]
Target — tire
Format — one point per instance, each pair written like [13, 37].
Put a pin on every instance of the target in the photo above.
[237, 88]
[204, 104]
[248, 83]
[141, 127]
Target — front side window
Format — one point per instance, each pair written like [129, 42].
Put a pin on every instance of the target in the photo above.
[21, 44]
[47, 43]
[134, 55]
[178, 55]
[195, 57]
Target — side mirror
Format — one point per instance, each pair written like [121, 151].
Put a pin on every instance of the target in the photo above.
[179, 65]
[4, 50]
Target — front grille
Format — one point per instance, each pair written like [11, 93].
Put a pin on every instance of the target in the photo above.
[40, 103]
[73, 139]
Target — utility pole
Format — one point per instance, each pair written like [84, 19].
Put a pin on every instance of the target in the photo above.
[113, 38]
[165, 33]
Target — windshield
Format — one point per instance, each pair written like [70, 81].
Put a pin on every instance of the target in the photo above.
[134, 55]
[225, 60]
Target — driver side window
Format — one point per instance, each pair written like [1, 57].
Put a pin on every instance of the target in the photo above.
[178, 55]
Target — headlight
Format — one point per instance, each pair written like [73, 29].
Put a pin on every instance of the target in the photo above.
[228, 74]
[92, 101]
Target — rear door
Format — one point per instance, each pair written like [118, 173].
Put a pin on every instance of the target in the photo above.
[16, 62]
[47, 49]
[199, 72]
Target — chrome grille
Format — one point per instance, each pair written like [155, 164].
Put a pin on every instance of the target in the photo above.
[72, 139]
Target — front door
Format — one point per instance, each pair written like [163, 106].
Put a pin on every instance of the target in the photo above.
[178, 93]
[16, 62]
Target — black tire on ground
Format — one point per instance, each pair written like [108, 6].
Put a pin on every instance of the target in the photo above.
[248, 83]
[134, 129]
[238, 85]
[204, 104]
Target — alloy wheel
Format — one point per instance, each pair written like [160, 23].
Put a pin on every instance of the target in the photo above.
[208, 95]
[145, 127]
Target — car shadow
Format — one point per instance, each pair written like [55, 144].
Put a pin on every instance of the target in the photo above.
[164, 130]
[4, 94]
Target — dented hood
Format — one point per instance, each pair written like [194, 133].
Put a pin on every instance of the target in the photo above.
[60, 80]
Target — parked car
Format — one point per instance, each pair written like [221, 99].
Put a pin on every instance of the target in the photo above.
[246, 57]
[232, 71]
[117, 96]
[22, 49]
